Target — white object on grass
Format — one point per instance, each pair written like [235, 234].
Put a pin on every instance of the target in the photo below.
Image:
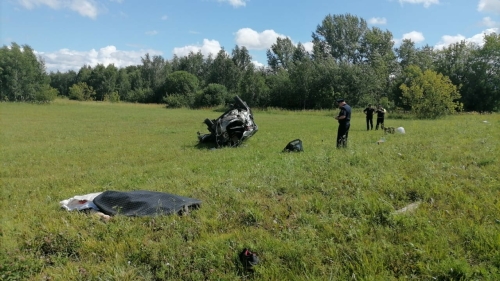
[80, 202]
[400, 130]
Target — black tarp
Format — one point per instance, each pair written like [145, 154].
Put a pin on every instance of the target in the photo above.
[143, 203]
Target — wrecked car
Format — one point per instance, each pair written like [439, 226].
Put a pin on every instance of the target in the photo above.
[231, 128]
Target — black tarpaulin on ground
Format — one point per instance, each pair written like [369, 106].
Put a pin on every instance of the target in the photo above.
[143, 203]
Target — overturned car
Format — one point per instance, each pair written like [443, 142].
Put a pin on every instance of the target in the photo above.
[231, 128]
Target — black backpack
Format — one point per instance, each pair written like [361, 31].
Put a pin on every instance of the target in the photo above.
[294, 146]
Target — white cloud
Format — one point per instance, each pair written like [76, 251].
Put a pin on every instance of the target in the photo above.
[308, 46]
[447, 40]
[426, 3]
[30, 4]
[487, 21]
[414, 36]
[152, 32]
[257, 64]
[492, 6]
[65, 59]
[117, 1]
[235, 3]
[478, 39]
[253, 40]
[86, 8]
[377, 21]
[165, 17]
[208, 47]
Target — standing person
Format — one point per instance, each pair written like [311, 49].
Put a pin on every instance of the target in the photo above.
[344, 119]
[380, 117]
[369, 110]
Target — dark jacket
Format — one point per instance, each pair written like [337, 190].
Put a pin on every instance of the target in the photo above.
[369, 112]
[345, 110]
[380, 113]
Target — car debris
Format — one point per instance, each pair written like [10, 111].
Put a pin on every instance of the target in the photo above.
[231, 128]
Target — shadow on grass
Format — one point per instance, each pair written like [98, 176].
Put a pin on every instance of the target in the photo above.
[205, 145]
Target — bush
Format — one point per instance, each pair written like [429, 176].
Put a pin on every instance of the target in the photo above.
[81, 92]
[430, 94]
[112, 97]
[138, 95]
[177, 101]
[212, 95]
[46, 94]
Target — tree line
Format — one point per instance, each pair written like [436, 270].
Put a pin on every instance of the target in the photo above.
[348, 60]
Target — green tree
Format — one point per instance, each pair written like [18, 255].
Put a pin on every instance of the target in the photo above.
[81, 92]
[123, 85]
[407, 53]
[138, 92]
[241, 58]
[379, 65]
[280, 86]
[481, 91]
[429, 94]
[223, 71]
[22, 74]
[103, 80]
[302, 77]
[84, 74]
[341, 37]
[193, 63]
[212, 95]
[180, 88]
[62, 81]
[154, 70]
[425, 57]
[46, 94]
[322, 87]
[253, 87]
[280, 55]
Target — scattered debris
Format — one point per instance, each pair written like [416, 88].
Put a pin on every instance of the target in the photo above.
[132, 203]
[389, 130]
[249, 259]
[232, 127]
[408, 209]
[80, 202]
[294, 146]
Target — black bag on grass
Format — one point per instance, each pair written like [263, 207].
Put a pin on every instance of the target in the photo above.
[294, 146]
[143, 203]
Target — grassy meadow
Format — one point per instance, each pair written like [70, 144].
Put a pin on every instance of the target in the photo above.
[324, 214]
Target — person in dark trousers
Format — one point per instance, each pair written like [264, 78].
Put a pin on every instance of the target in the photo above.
[369, 110]
[380, 117]
[344, 119]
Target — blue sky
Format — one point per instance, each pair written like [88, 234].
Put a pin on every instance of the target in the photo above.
[68, 34]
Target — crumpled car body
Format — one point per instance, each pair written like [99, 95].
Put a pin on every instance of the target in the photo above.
[231, 128]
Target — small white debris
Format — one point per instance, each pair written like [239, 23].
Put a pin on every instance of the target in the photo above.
[409, 208]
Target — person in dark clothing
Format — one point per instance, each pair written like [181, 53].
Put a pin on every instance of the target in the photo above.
[369, 110]
[344, 119]
[380, 117]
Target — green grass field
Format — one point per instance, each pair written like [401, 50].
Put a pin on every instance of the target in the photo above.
[324, 214]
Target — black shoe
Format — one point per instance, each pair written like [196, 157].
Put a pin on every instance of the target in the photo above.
[248, 259]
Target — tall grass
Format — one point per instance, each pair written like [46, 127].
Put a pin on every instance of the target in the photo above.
[324, 214]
